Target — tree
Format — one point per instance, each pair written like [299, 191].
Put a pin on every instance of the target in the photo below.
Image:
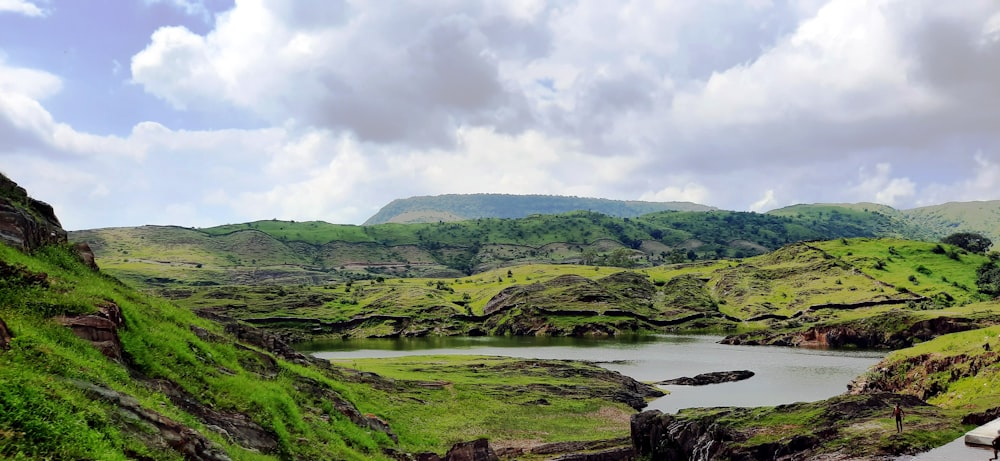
[621, 257]
[969, 241]
[988, 278]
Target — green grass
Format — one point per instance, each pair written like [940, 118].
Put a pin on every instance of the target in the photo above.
[895, 261]
[852, 426]
[45, 415]
[795, 283]
[447, 399]
[954, 371]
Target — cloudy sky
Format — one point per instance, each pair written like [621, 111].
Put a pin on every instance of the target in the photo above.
[207, 112]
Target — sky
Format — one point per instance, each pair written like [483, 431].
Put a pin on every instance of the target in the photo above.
[206, 112]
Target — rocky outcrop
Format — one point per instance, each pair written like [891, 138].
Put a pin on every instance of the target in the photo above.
[744, 433]
[591, 450]
[238, 428]
[26, 223]
[86, 255]
[158, 430]
[100, 328]
[923, 375]
[660, 436]
[5, 336]
[867, 334]
[476, 450]
[714, 377]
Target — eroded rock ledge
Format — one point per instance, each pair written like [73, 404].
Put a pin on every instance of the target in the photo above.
[868, 334]
[714, 377]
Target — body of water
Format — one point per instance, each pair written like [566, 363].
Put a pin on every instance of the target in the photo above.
[782, 374]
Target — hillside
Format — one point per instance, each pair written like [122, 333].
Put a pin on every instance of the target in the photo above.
[317, 252]
[92, 369]
[923, 223]
[796, 295]
[461, 207]
[948, 218]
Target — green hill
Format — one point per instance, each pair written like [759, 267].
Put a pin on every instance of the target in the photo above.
[948, 218]
[317, 252]
[460, 207]
[924, 223]
[784, 293]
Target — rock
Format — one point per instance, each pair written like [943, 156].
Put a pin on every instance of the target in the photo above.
[714, 377]
[730, 433]
[101, 329]
[476, 450]
[26, 223]
[612, 454]
[866, 333]
[322, 393]
[981, 418]
[5, 336]
[238, 428]
[158, 430]
[86, 255]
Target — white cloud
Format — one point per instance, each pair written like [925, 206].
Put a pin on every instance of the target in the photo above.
[189, 7]
[31, 83]
[980, 182]
[21, 7]
[688, 192]
[25, 123]
[765, 203]
[379, 75]
[735, 104]
[880, 187]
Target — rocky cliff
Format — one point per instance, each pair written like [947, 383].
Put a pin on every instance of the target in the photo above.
[26, 223]
[845, 427]
[894, 330]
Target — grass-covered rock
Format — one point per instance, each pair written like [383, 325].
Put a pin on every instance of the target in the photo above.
[842, 427]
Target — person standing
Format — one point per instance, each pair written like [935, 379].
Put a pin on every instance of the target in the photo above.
[897, 413]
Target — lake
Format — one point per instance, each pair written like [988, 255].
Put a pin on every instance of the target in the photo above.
[782, 374]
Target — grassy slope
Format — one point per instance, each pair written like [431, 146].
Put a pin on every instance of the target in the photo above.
[953, 371]
[784, 289]
[304, 252]
[46, 416]
[948, 218]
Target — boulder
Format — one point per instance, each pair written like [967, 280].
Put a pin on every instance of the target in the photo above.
[714, 377]
[86, 255]
[476, 450]
[26, 223]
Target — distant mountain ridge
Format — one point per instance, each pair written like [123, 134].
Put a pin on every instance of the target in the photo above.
[930, 222]
[461, 207]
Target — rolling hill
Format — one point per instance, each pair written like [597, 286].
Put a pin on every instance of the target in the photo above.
[316, 252]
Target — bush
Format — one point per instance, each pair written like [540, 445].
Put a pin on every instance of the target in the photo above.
[969, 241]
[988, 278]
